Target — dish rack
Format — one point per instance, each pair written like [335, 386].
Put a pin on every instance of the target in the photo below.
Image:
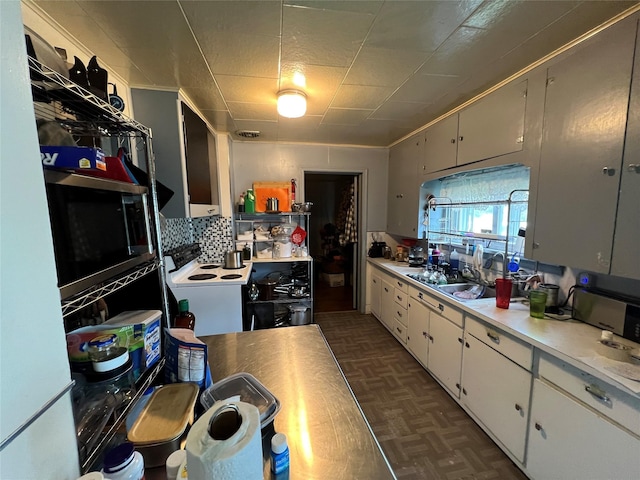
[452, 223]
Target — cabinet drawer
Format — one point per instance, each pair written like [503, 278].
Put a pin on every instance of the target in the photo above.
[606, 399]
[399, 330]
[442, 309]
[401, 314]
[509, 346]
[400, 285]
[401, 298]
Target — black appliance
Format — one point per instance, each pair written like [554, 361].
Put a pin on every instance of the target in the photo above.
[377, 249]
[101, 229]
[608, 311]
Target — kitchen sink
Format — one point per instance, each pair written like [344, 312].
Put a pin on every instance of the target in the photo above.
[467, 291]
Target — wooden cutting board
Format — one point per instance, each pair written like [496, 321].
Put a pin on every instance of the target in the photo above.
[279, 190]
[166, 415]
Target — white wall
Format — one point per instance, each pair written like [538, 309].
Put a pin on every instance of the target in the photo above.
[262, 162]
[33, 355]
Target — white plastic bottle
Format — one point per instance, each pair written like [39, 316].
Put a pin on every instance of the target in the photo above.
[454, 260]
[123, 463]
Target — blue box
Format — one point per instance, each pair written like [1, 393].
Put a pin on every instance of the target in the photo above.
[76, 158]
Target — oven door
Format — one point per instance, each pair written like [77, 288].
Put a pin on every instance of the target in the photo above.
[101, 229]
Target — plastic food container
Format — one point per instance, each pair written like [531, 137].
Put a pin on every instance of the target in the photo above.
[249, 389]
[162, 424]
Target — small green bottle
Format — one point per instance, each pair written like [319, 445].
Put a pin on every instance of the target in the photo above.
[250, 202]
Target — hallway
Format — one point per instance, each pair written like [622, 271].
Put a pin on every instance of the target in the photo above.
[423, 432]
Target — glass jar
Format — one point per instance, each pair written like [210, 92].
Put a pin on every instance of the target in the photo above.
[103, 347]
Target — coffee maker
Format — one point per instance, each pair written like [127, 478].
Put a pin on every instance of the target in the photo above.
[377, 249]
[416, 256]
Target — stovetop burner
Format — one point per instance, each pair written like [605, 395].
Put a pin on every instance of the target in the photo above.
[234, 268]
[202, 276]
[209, 267]
[231, 276]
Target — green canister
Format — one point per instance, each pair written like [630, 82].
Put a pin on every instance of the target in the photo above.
[250, 202]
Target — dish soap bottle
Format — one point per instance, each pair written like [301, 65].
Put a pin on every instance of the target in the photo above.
[184, 318]
[250, 202]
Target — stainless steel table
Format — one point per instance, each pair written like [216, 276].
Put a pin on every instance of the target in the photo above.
[328, 436]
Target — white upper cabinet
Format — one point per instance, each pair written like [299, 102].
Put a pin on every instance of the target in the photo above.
[490, 127]
[494, 125]
[585, 116]
[441, 145]
[625, 261]
[404, 186]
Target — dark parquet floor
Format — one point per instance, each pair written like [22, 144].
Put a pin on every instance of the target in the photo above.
[422, 431]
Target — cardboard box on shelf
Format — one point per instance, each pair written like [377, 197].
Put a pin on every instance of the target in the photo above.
[139, 330]
[333, 279]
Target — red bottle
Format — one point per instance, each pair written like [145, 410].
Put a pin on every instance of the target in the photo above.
[184, 318]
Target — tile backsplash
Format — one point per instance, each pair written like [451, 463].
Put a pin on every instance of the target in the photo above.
[214, 234]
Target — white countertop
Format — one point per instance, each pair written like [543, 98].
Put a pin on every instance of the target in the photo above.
[570, 340]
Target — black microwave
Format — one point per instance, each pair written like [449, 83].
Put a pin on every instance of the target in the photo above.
[101, 229]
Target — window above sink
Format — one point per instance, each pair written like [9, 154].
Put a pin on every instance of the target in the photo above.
[488, 206]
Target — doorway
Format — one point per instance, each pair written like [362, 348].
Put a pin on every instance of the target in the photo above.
[333, 239]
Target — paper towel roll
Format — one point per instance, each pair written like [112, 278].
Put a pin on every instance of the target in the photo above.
[225, 443]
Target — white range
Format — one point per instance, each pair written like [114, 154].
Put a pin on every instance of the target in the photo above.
[214, 292]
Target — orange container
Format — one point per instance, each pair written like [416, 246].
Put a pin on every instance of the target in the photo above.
[279, 190]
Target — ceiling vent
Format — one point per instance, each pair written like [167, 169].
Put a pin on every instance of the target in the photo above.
[248, 133]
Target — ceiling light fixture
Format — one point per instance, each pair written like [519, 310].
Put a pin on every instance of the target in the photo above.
[292, 103]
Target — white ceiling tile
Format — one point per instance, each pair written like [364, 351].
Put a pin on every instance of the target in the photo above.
[421, 25]
[221, 121]
[384, 67]
[356, 6]
[248, 89]
[240, 53]
[360, 96]
[396, 110]
[345, 116]
[425, 88]
[207, 96]
[256, 18]
[322, 37]
[255, 111]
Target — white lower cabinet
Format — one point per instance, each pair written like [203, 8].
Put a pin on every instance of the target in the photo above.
[387, 303]
[497, 391]
[570, 441]
[375, 293]
[418, 329]
[445, 352]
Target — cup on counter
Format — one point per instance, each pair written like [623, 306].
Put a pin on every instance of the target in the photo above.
[537, 303]
[503, 292]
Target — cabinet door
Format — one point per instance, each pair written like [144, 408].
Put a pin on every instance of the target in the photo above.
[441, 145]
[625, 261]
[418, 330]
[494, 125]
[569, 441]
[387, 303]
[404, 187]
[375, 292]
[497, 391]
[583, 135]
[445, 352]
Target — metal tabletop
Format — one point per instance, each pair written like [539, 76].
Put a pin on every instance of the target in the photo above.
[327, 433]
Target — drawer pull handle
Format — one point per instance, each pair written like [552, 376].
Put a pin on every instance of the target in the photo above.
[458, 386]
[466, 344]
[493, 336]
[518, 408]
[538, 426]
[464, 391]
[597, 392]
[420, 295]
[400, 284]
[441, 307]
[386, 289]
[399, 314]
[460, 340]
[399, 297]
[425, 334]
[398, 330]
[431, 338]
